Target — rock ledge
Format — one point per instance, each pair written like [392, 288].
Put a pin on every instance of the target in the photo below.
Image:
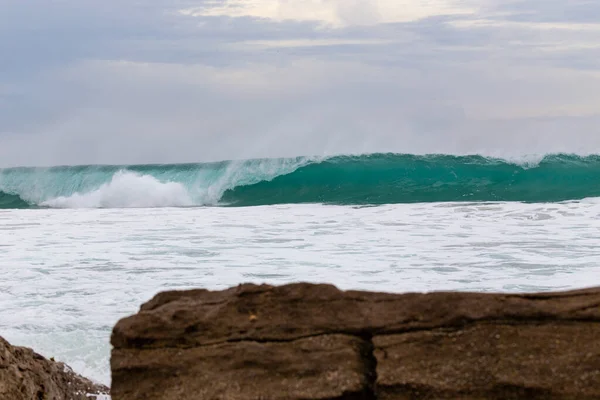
[308, 342]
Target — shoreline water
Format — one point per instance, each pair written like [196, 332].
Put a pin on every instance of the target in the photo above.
[313, 341]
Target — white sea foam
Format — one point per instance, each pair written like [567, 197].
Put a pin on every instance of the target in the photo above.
[67, 276]
[526, 160]
[127, 190]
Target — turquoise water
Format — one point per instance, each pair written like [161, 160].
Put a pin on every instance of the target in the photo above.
[342, 180]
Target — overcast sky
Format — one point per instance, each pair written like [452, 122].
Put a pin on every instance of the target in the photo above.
[129, 81]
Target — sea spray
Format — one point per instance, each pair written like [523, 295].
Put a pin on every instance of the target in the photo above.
[127, 189]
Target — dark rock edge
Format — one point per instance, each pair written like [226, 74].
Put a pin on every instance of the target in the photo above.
[27, 375]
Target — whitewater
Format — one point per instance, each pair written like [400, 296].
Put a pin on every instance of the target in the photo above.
[82, 246]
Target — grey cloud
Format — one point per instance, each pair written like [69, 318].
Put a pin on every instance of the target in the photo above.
[125, 82]
[581, 11]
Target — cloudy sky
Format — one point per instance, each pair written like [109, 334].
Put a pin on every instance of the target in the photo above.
[130, 81]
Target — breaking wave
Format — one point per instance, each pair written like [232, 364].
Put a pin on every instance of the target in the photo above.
[358, 179]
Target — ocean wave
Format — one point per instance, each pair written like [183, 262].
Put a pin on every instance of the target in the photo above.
[8, 200]
[352, 179]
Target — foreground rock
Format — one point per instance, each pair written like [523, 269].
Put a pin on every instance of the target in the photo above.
[316, 342]
[26, 375]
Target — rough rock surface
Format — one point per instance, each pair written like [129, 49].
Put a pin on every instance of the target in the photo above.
[26, 375]
[309, 342]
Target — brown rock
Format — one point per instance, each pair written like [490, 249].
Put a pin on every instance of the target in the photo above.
[325, 366]
[316, 342]
[26, 375]
[491, 361]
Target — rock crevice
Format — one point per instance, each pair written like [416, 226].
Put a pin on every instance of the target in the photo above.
[370, 362]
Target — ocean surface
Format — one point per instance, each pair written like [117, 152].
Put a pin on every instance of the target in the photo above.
[81, 247]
